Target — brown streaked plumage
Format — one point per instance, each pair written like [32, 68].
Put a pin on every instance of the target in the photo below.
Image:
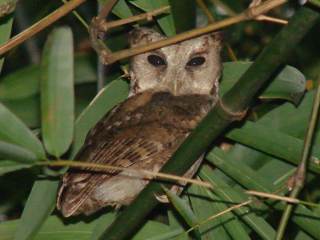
[166, 102]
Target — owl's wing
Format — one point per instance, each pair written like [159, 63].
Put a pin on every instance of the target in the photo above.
[122, 150]
[142, 133]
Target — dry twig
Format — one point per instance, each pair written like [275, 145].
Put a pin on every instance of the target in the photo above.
[108, 57]
[39, 26]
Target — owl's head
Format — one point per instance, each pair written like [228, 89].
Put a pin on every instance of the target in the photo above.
[189, 67]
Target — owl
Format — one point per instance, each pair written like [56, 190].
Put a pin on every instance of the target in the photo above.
[171, 90]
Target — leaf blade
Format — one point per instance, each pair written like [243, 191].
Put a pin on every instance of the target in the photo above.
[39, 206]
[106, 99]
[289, 84]
[13, 130]
[57, 93]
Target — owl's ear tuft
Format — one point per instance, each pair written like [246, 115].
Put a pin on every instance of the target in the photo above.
[217, 38]
[141, 36]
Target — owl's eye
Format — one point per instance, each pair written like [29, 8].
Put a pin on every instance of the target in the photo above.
[196, 61]
[156, 60]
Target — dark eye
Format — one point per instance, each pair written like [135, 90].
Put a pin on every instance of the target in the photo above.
[156, 61]
[196, 61]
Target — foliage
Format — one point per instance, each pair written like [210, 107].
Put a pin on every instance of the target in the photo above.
[48, 107]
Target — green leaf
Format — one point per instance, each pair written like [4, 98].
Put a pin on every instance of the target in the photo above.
[290, 119]
[25, 82]
[57, 93]
[205, 207]
[181, 9]
[176, 227]
[250, 179]
[233, 223]
[274, 142]
[106, 99]
[101, 223]
[165, 21]
[184, 210]
[39, 206]
[153, 230]
[224, 191]
[15, 152]
[56, 228]
[206, 204]
[121, 9]
[84, 69]
[26, 109]
[289, 84]
[5, 30]
[7, 166]
[20, 84]
[240, 172]
[12, 130]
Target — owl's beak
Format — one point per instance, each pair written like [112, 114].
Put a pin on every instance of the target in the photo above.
[172, 81]
[175, 86]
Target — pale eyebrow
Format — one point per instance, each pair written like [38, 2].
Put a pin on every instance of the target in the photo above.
[157, 52]
[198, 52]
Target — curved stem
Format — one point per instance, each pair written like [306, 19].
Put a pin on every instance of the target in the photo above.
[215, 123]
[299, 176]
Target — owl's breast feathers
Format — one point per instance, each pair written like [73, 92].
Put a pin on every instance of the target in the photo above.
[142, 133]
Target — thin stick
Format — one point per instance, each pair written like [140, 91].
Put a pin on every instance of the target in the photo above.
[107, 168]
[211, 19]
[205, 10]
[272, 20]
[281, 198]
[250, 13]
[224, 7]
[219, 214]
[39, 26]
[78, 16]
[273, 196]
[106, 9]
[144, 16]
[299, 176]
[267, 18]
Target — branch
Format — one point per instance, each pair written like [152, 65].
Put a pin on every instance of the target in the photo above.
[143, 16]
[215, 123]
[299, 177]
[39, 26]
[108, 57]
[106, 168]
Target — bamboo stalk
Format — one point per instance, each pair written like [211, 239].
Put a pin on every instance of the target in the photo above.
[214, 124]
[299, 176]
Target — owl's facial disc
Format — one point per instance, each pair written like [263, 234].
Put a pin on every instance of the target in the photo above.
[190, 67]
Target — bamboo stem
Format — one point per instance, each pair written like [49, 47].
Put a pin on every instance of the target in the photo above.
[300, 175]
[237, 99]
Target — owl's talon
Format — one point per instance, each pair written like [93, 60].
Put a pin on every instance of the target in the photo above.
[162, 198]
